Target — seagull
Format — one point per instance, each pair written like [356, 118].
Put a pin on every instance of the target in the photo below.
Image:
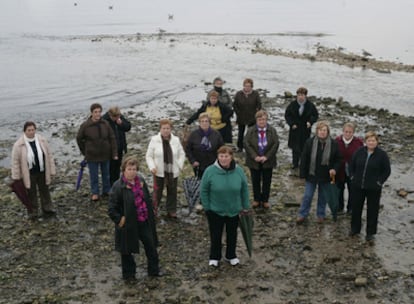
[110, 7]
[75, 4]
[365, 53]
[170, 17]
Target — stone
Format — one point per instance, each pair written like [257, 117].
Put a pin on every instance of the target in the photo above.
[361, 281]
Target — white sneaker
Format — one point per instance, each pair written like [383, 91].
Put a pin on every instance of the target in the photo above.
[233, 262]
[213, 263]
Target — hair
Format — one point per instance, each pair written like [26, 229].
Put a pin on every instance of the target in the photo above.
[371, 134]
[213, 94]
[166, 121]
[261, 113]
[28, 124]
[95, 106]
[217, 79]
[114, 111]
[204, 115]
[129, 161]
[320, 124]
[349, 125]
[302, 90]
[225, 149]
[248, 80]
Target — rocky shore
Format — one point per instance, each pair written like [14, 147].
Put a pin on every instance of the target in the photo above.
[70, 258]
[339, 56]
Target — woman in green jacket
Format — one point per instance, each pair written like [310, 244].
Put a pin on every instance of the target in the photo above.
[224, 194]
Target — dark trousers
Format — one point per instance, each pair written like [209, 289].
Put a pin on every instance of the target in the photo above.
[127, 260]
[358, 199]
[226, 133]
[38, 180]
[341, 186]
[115, 169]
[171, 193]
[240, 136]
[261, 180]
[199, 172]
[296, 154]
[216, 225]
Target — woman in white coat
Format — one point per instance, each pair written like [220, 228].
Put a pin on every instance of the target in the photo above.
[165, 158]
[33, 163]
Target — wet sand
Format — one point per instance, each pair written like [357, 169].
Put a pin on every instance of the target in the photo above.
[70, 258]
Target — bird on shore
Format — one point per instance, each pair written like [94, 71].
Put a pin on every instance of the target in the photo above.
[365, 53]
[170, 17]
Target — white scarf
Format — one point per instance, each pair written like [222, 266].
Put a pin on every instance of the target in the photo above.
[30, 155]
[347, 142]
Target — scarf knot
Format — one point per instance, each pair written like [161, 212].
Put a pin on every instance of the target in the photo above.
[205, 141]
[262, 140]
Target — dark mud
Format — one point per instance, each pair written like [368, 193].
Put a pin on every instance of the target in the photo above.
[70, 258]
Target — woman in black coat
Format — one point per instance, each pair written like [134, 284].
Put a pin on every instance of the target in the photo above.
[300, 115]
[370, 168]
[130, 208]
[202, 145]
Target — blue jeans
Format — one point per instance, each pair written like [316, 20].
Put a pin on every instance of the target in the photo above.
[307, 200]
[94, 176]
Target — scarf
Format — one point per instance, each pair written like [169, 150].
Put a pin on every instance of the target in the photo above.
[168, 161]
[347, 142]
[301, 107]
[205, 144]
[140, 204]
[262, 140]
[326, 153]
[246, 94]
[31, 159]
[218, 89]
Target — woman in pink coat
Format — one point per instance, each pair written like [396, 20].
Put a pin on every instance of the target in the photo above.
[32, 162]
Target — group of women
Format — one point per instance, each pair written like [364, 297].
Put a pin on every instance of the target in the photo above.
[363, 168]
[224, 186]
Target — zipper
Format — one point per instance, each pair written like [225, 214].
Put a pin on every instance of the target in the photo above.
[365, 170]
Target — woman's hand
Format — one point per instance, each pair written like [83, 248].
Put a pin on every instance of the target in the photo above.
[196, 164]
[121, 222]
[154, 171]
[332, 172]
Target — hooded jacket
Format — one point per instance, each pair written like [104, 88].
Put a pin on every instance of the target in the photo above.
[224, 192]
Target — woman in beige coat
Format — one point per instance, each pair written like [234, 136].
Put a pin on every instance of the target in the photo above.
[32, 162]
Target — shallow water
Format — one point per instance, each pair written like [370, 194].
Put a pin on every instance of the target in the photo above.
[49, 76]
[51, 69]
